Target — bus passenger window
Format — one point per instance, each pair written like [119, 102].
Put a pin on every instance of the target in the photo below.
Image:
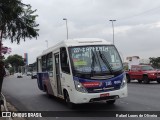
[44, 63]
[49, 62]
[64, 60]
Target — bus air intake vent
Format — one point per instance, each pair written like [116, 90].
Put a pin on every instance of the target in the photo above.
[89, 41]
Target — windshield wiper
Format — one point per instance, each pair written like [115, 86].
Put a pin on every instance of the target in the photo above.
[93, 64]
[104, 59]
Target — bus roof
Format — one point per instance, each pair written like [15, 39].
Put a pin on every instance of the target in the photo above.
[77, 42]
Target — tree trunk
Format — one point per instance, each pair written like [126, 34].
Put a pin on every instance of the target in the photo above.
[1, 82]
[1, 70]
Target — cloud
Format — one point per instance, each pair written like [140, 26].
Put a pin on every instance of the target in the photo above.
[141, 40]
[136, 29]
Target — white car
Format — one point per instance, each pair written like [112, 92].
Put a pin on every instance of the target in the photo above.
[34, 75]
[29, 73]
[19, 75]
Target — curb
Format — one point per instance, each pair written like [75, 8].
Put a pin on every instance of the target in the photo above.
[5, 107]
[5, 103]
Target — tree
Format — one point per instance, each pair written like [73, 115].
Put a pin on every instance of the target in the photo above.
[33, 67]
[155, 62]
[17, 21]
[15, 61]
[6, 64]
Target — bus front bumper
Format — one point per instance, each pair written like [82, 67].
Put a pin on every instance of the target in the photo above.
[79, 97]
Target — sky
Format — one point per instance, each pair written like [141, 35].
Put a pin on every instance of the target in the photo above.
[136, 29]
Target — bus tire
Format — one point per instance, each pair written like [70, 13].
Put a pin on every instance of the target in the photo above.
[128, 78]
[139, 81]
[158, 80]
[146, 79]
[110, 102]
[67, 100]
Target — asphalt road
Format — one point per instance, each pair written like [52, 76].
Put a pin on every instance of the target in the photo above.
[24, 94]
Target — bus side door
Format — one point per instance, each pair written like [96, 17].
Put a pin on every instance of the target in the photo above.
[66, 77]
[58, 79]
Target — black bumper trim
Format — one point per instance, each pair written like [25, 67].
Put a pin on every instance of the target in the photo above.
[104, 98]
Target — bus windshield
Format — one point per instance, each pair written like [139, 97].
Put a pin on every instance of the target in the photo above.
[95, 59]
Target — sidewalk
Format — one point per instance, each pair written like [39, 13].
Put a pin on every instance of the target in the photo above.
[9, 107]
[4, 108]
[2, 111]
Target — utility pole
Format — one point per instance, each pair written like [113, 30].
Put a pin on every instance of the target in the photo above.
[47, 43]
[66, 26]
[113, 29]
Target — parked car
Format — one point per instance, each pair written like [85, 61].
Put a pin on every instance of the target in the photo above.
[145, 73]
[34, 75]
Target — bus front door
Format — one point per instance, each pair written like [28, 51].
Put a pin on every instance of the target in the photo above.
[58, 79]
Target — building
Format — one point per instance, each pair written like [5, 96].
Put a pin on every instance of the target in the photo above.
[135, 60]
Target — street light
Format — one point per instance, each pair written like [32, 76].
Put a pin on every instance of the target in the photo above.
[47, 43]
[66, 26]
[113, 29]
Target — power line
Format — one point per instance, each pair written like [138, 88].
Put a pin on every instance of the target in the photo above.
[139, 14]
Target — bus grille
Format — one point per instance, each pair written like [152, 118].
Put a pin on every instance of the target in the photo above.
[105, 98]
[98, 90]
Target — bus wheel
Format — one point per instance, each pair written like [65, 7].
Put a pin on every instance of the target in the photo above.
[158, 80]
[146, 80]
[67, 100]
[128, 78]
[139, 81]
[111, 102]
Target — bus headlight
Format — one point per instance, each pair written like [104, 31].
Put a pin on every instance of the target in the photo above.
[124, 81]
[80, 87]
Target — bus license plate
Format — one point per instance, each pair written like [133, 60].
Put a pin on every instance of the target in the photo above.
[104, 95]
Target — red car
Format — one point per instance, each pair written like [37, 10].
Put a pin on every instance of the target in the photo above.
[145, 73]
